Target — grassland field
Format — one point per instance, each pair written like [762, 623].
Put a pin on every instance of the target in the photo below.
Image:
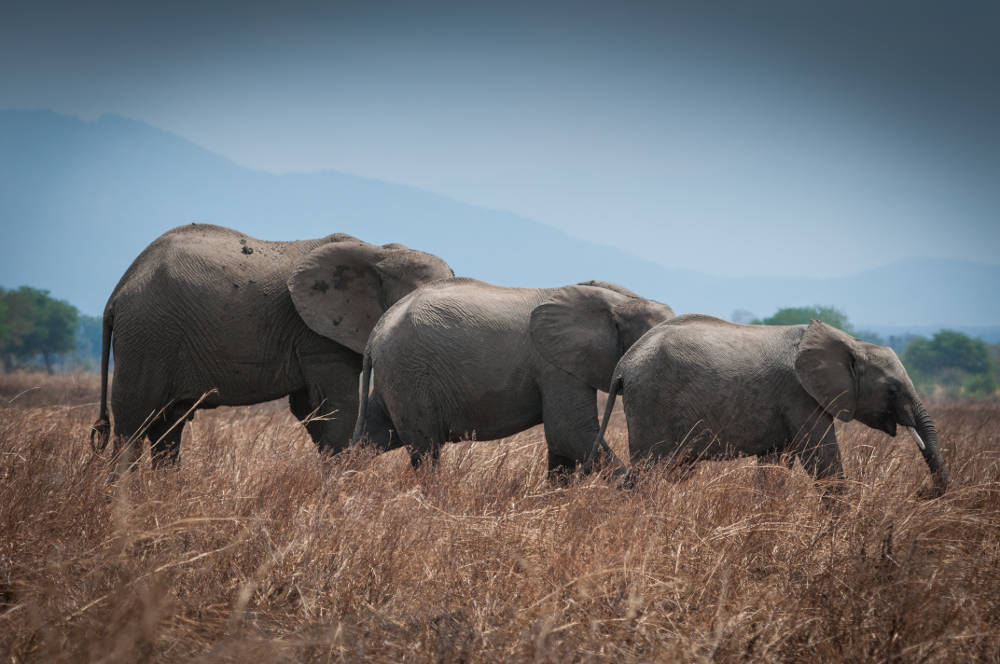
[256, 549]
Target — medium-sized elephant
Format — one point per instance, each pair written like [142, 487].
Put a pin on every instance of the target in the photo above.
[462, 358]
[697, 387]
[208, 308]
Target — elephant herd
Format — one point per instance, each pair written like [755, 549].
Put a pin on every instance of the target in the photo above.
[207, 316]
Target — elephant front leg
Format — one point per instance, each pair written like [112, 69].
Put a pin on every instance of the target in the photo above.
[560, 466]
[301, 406]
[766, 462]
[339, 413]
[328, 405]
[569, 415]
[776, 458]
[822, 460]
[420, 453]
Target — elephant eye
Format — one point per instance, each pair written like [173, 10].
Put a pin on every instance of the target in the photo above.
[893, 389]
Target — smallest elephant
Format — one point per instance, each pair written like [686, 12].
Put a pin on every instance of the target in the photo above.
[697, 387]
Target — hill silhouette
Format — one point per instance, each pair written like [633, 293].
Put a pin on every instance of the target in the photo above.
[79, 200]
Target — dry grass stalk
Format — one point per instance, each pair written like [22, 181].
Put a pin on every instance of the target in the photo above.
[258, 548]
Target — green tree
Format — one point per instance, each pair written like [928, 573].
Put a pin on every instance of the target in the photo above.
[39, 326]
[956, 361]
[19, 312]
[949, 349]
[800, 315]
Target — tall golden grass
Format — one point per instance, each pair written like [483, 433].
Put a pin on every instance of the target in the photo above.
[256, 549]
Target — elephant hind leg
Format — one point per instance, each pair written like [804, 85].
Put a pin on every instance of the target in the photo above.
[165, 434]
[126, 441]
[414, 421]
[377, 428]
[421, 446]
[125, 453]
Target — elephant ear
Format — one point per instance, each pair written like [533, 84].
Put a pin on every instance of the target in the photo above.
[825, 366]
[577, 330]
[337, 291]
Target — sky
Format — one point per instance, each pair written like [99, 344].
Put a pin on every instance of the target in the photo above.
[768, 138]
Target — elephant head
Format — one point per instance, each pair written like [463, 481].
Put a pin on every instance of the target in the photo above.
[584, 330]
[852, 379]
[341, 288]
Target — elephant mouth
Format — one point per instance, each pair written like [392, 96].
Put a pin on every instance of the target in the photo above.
[886, 423]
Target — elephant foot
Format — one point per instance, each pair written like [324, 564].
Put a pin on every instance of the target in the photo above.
[833, 493]
[100, 433]
[329, 449]
[561, 469]
[929, 492]
[417, 457]
[560, 477]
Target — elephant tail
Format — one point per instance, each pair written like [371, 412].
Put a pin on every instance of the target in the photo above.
[101, 430]
[366, 378]
[616, 385]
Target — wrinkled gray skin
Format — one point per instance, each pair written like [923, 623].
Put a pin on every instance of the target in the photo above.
[697, 387]
[206, 307]
[462, 358]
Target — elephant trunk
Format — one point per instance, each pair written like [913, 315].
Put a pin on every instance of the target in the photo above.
[926, 436]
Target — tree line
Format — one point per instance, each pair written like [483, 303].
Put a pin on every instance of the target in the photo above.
[949, 364]
[38, 331]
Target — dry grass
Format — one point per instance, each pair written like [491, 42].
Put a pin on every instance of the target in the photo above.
[256, 548]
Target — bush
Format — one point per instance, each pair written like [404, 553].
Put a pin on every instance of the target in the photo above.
[955, 362]
[37, 326]
[803, 315]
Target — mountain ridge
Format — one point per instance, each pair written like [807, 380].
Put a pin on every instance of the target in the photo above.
[88, 196]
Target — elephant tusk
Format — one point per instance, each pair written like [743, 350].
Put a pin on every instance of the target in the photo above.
[916, 437]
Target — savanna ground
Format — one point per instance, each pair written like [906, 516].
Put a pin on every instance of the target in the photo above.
[256, 549]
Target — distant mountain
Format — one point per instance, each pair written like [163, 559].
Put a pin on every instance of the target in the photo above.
[79, 200]
[925, 294]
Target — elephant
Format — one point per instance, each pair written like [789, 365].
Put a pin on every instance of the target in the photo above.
[698, 387]
[462, 357]
[207, 309]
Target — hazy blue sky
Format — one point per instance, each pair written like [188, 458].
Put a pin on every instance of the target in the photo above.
[733, 138]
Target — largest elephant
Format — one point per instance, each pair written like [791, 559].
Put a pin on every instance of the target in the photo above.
[207, 309]
[462, 357]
